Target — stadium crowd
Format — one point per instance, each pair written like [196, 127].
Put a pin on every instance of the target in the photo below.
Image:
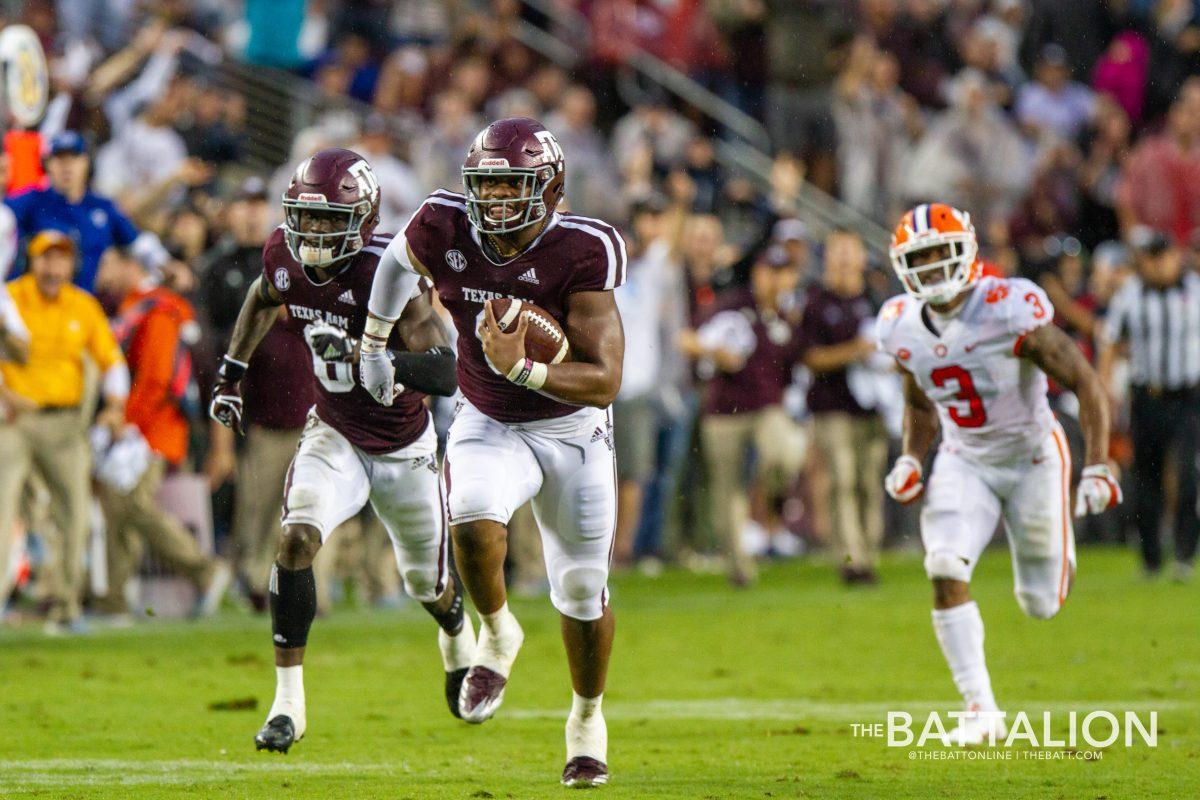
[755, 418]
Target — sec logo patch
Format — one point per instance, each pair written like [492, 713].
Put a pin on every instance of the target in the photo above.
[456, 260]
[282, 281]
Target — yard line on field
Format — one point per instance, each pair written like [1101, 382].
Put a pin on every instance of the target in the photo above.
[71, 772]
[737, 708]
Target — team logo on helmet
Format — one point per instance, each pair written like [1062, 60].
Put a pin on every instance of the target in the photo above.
[282, 280]
[456, 260]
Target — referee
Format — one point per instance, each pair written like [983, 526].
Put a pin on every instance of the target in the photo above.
[1154, 319]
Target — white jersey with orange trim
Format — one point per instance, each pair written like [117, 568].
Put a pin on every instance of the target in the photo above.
[991, 403]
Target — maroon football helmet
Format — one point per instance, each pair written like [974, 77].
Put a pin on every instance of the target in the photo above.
[519, 149]
[337, 185]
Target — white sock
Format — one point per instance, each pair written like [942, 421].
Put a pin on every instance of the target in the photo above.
[500, 637]
[457, 651]
[960, 633]
[289, 695]
[587, 734]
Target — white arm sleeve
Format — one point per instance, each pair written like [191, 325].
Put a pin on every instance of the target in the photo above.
[395, 281]
[115, 382]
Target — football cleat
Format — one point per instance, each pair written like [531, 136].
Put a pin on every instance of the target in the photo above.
[978, 728]
[584, 772]
[277, 735]
[483, 688]
[454, 684]
[481, 694]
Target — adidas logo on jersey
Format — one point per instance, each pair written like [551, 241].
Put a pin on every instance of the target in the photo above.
[529, 276]
[346, 297]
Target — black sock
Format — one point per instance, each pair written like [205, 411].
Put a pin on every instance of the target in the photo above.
[450, 620]
[293, 605]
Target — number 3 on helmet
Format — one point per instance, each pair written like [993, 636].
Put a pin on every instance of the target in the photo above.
[935, 253]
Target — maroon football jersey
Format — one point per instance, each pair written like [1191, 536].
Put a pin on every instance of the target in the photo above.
[341, 301]
[572, 254]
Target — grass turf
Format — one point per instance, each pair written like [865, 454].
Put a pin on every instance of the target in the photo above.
[712, 694]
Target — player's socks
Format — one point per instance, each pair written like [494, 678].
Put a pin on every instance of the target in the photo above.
[287, 719]
[587, 735]
[500, 638]
[293, 602]
[587, 743]
[960, 633]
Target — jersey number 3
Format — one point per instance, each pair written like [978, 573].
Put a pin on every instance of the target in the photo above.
[976, 415]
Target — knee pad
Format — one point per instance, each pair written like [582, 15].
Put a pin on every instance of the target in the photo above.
[945, 564]
[302, 504]
[468, 501]
[421, 584]
[580, 592]
[1039, 605]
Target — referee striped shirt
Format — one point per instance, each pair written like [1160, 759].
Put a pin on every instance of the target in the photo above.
[1162, 328]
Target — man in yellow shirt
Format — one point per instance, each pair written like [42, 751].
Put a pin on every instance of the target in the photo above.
[46, 428]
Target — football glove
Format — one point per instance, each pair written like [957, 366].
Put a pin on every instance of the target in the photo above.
[377, 374]
[226, 406]
[904, 483]
[329, 343]
[1098, 490]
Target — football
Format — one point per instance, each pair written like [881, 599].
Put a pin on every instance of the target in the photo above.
[545, 340]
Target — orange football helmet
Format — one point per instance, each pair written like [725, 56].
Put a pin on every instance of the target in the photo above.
[936, 225]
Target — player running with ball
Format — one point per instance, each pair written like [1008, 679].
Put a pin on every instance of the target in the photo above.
[975, 352]
[527, 429]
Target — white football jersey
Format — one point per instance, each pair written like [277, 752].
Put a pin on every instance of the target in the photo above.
[991, 403]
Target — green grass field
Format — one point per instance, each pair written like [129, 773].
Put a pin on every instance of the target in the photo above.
[712, 694]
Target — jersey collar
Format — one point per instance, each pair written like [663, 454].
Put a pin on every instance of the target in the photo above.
[475, 237]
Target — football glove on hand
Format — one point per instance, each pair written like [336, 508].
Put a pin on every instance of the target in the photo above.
[904, 483]
[329, 343]
[377, 374]
[226, 406]
[1098, 490]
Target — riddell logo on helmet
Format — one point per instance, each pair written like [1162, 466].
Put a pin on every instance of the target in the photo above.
[493, 162]
[311, 197]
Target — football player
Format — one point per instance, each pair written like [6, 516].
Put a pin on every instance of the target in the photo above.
[317, 271]
[974, 353]
[525, 430]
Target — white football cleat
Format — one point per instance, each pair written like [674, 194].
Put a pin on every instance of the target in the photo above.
[979, 728]
[483, 688]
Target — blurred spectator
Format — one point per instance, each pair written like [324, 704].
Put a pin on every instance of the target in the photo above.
[593, 189]
[439, 153]
[801, 40]
[1105, 154]
[1053, 104]
[107, 21]
[156, 329]
[402, 81]
[349, 68]
[644, 302]
[743, 25]
[748, 347]
[1121, 73]
[1051, 205]
[916, 35]
[274, 32]
[399, 191]
[67, 205]
[654, 124]
[972, 156]
[1160, 184]
[212, 127]
[852, 440]
[49, 429]
[1155, 320]
[876, 127]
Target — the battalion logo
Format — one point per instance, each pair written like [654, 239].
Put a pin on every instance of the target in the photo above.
[456, 260]
[282, 280]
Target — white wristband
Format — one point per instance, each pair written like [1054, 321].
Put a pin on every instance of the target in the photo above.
[529, 373]
[375, 335]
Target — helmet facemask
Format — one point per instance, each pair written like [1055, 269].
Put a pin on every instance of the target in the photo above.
[941, 280]
[323, 249]
[509, 214]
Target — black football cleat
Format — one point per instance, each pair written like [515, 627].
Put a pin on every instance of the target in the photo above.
[454, 682]
[277, 735]
[584, 772]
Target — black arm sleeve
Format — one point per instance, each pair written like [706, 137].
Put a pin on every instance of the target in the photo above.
[432, 372]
